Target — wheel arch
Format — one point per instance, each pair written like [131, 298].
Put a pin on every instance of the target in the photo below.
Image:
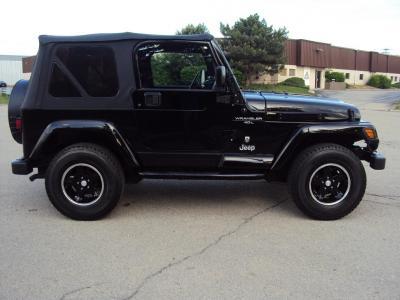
[60, 134]
[342, 134]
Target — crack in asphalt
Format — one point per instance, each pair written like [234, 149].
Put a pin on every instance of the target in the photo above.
[391, 197]
[201, 251]
[388, 197]
[67, 294]
[382, 203]
[212, 244]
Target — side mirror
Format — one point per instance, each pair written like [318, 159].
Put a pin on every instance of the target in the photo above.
[220, 76]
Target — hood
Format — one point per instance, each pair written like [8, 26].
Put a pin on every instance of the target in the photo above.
[300, 108]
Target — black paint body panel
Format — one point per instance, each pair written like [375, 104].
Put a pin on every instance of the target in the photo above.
[216, 131]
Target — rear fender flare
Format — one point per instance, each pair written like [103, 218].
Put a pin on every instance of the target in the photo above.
[103, 128]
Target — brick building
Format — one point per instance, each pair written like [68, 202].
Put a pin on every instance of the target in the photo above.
[309, 60]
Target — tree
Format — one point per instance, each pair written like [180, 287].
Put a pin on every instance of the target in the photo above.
[175, 68]
[254, 47]
[193, 29]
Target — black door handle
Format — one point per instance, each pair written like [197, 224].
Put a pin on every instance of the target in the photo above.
[152, 99]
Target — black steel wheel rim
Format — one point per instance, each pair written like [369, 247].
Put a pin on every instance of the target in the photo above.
[82, 184]
[329, 184]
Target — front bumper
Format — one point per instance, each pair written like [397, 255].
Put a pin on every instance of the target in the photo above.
[21, 167]
[377, 161]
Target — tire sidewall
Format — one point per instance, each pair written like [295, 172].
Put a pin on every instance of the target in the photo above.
[112, 184]
[357, 177]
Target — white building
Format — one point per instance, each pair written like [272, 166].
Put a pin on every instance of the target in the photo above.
[11, 68]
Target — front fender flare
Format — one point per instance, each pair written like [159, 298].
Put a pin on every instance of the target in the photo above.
[345, 131]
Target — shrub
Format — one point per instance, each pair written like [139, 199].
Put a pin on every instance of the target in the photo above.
[294, 81]
[380, 81]
[239, 77]
[3, 98]
[334, 76]
[396, 85]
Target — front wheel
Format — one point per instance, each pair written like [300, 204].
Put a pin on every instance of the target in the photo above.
[327, 181]
[84, 181]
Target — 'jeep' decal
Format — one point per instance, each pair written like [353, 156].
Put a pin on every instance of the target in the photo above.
[244, 147]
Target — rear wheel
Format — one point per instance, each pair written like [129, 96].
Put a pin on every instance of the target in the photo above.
[327, 181]
[84, 181]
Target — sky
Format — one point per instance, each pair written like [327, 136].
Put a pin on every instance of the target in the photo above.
[366, 25]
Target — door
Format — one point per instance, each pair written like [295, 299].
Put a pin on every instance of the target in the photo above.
[181, 121]
[318, 79]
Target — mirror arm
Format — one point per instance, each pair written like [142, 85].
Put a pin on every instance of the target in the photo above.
[220, 79]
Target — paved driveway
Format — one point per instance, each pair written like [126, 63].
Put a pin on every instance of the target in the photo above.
[373, 99]
[202, 239]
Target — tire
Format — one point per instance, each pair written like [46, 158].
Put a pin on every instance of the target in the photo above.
[327, 181]
[84, 181]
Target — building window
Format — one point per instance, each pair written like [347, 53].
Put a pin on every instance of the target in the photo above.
[292, 72]
[395, 79]
[391, 78]
[347, 75]
[283, 72]
[361, 76]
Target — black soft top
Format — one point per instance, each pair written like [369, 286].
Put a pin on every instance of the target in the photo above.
[106, 37]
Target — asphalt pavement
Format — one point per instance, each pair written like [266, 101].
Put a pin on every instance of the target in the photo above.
[172, 239]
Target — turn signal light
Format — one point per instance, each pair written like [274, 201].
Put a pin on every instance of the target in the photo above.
[370, 133]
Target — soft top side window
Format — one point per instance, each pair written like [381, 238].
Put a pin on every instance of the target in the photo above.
[61, 85]
[91, 67]
[179, 65]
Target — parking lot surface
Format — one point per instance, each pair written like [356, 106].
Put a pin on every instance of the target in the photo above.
[172, 239]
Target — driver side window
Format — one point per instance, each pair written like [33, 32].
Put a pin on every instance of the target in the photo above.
[176, 65]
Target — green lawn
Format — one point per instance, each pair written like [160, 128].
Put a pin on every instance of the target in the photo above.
[3, 99]
[279, 88]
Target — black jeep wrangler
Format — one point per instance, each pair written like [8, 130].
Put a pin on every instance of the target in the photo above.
[101, 110]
